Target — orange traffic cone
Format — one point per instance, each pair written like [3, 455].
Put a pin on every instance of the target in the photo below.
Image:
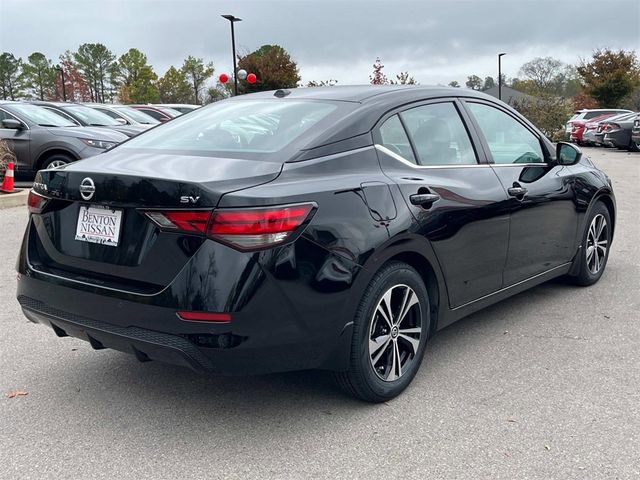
[7, 183]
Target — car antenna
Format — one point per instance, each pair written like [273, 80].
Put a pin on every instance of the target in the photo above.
[281, 93]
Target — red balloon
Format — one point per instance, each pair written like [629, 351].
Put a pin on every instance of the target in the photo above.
[251, 78]
[224, 78]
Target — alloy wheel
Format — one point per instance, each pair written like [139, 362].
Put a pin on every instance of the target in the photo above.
[395, 331]
[56, 164]
[597, 243]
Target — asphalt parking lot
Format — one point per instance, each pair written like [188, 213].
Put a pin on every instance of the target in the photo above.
[544, 385]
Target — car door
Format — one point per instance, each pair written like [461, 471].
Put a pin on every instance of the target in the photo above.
[543, 221]
[457, 201]
[17, 141]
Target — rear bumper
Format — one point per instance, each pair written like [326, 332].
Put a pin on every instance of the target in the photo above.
[279, 320]
[144, 344]
[619, 139]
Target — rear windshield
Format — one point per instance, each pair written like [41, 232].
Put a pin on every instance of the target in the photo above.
[240, 126]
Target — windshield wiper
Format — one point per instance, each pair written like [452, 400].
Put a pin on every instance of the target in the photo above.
[48, 125]
[98, 125]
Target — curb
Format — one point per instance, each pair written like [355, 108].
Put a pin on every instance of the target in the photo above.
[17, 199]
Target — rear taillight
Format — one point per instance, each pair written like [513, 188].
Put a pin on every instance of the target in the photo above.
[257, 228]
[36, 202]
[188, 221]
[243, 229]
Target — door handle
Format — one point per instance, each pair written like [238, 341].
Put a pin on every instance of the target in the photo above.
[424, 200]
[517, 191]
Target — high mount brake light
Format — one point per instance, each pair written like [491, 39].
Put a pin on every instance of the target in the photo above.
[36, 202]
[241, 228]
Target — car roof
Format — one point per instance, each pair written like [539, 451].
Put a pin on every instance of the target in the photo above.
[362, 93]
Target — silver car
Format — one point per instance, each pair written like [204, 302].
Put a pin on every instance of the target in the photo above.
[40, 138]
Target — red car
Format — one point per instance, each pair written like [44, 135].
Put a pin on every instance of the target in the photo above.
[578, 127]
[159, 113]
[590, 129]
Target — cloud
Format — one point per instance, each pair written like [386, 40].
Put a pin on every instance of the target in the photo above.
[436, 41]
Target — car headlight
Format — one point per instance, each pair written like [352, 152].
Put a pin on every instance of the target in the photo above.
[103, 144]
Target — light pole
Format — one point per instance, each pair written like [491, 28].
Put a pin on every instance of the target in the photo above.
[233, 20]
[500, 75]
[64, 92]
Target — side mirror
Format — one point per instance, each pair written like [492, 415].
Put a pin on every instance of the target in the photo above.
[121, 121]
[12, 124]
[567, 154]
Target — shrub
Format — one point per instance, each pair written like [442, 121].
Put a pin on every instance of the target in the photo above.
[6, 156]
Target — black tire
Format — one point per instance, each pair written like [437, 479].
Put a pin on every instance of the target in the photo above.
[362, 379]
[633, 146]
[586, 274]
[56, 159]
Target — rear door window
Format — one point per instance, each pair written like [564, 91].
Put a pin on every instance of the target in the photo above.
[439, 136]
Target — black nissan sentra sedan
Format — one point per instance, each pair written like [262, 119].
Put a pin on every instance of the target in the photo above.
[317, 228]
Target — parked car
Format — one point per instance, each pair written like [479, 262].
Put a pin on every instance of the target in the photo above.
[162, 114]
[580, 116]
[591, 129]
[635, 132]
[618, 134]
[180, 107]
[607, 124]
[88, 117]
[342, 235]
[125, 114]
[41, 138]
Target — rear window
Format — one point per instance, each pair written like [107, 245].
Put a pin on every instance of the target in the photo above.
[241, 126]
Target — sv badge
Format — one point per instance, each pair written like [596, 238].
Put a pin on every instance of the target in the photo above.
[189, 199]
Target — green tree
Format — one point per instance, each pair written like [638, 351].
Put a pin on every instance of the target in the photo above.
[474, 82]
[9, 73]
[403, 78]
[173, 87]
[196, 73]
[543, 72]
[39, 76]
[137, 80]
[610, 76]
[489, 82]
[454, 84]
[548, 112]
[219, 92]
[273, 67]
[95, 61]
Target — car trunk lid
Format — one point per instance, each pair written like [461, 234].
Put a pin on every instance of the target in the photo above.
[145, 258]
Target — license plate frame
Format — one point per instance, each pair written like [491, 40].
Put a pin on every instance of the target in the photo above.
[99, 224]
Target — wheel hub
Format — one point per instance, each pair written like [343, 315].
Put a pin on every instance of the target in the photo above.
[395, 332]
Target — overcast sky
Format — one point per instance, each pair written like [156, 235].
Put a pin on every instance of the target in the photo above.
[436, 41]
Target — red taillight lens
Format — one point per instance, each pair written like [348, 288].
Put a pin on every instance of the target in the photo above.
[36, 202]
[244, 229]
[204, 316]
[189, 221]
[257, 228]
